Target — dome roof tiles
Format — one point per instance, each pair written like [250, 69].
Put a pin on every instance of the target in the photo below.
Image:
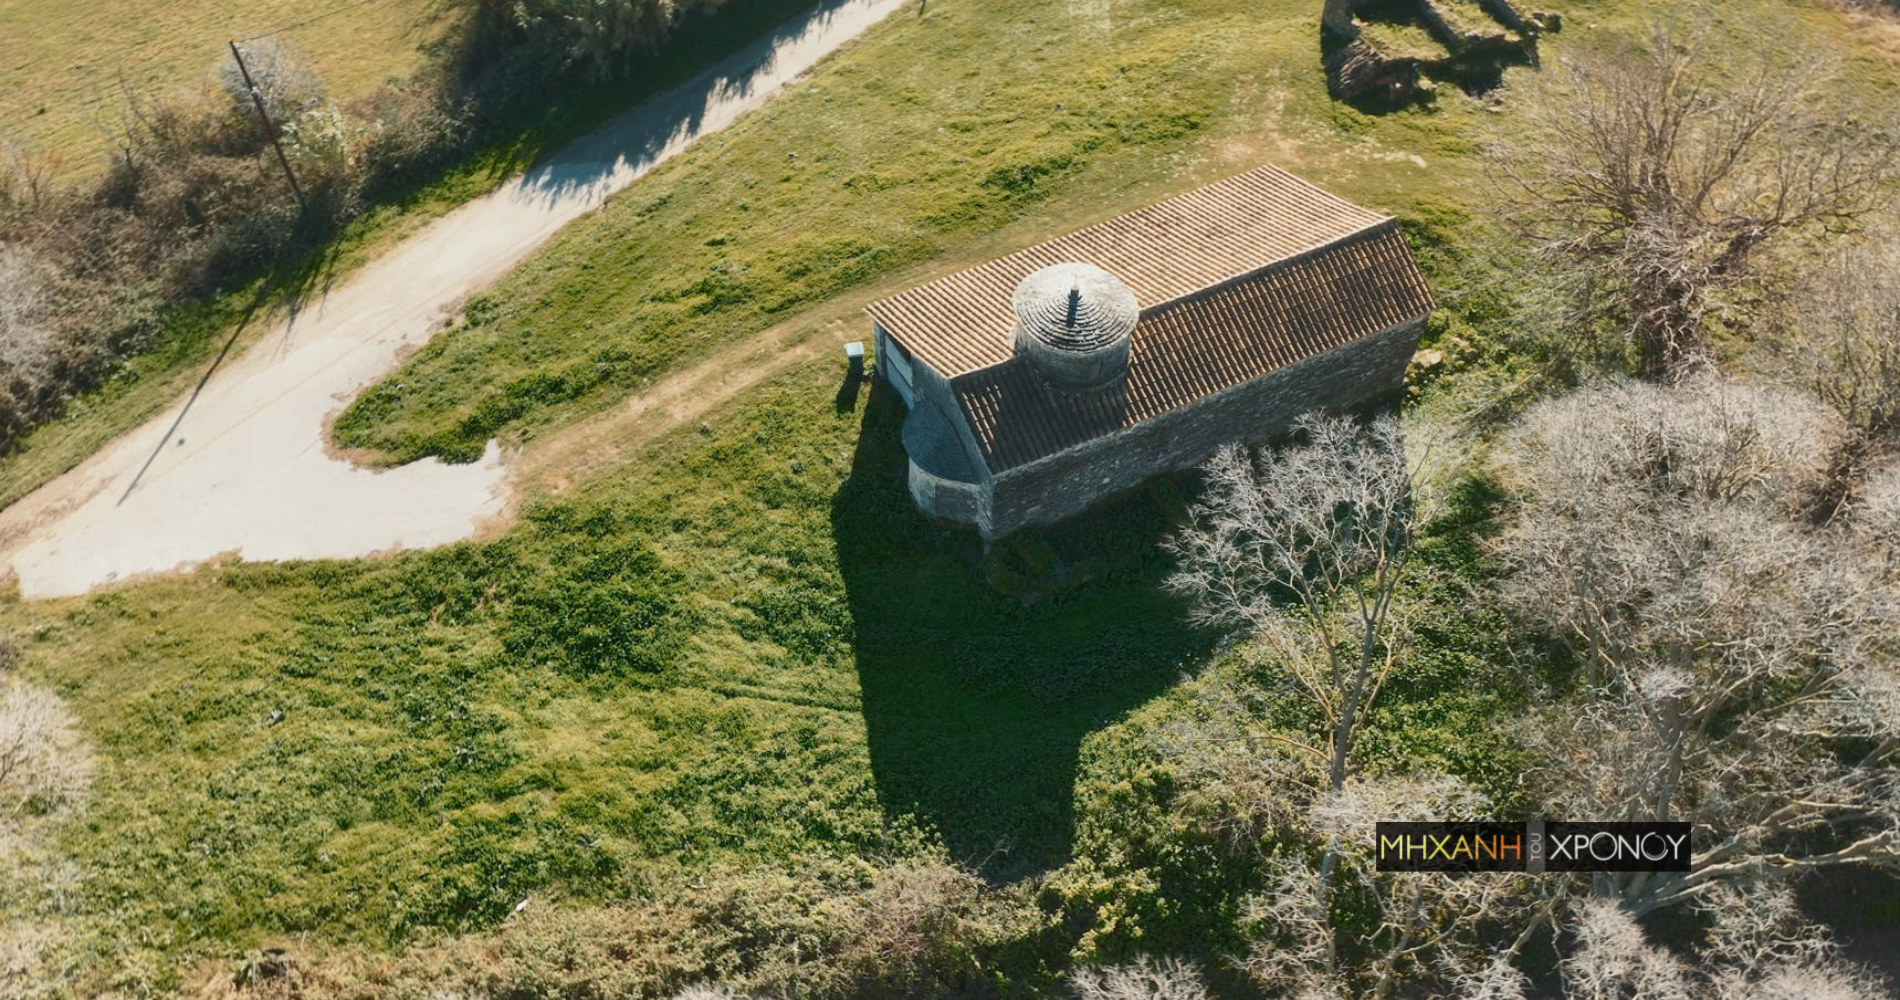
[1075, 307]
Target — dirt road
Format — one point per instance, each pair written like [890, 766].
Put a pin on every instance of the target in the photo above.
[246, 471]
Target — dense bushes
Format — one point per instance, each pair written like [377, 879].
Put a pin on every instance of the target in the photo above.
[193, 206]
[591, 39]
[816, 928]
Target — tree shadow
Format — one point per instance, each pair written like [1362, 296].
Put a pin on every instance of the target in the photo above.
[983, 672]
[1413, 53]
[572, 133]
[1861, 905]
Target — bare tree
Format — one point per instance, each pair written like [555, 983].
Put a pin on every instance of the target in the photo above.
[1497, 979]
[1416, 926]
[1661, 181]
[1842, 343]
[1758, 949]
[26, 180]
[1738, 662]
[710, 991]
[284, 78]
[43, 761]
[1620, 474]
[1302, 549]
[1844, 336]
[26, 323]
[1877, 516]
[45, 769]
[1144, 978]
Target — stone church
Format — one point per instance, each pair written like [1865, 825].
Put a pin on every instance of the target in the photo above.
[1043, 381]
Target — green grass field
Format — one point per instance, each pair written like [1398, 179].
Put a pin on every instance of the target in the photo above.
[740, 644]
[66, 68]
[905, 157]
[927, 136]
[743, 648]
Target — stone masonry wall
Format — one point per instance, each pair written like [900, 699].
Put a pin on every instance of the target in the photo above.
[1066, 483]
[949, 499]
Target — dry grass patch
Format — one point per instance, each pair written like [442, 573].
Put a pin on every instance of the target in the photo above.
[68, 66]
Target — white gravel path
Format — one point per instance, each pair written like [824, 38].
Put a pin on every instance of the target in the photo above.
[246, 472]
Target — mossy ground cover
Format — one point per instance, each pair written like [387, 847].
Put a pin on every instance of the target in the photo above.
[741, 644]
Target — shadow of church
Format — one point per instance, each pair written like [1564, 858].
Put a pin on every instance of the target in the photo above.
[983, 672]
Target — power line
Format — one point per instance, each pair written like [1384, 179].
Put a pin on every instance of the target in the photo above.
[270, 127]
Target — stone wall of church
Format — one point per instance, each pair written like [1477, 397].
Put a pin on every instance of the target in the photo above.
[951, 499]
[1068, 482]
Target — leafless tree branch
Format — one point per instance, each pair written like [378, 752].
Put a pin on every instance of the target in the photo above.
[1661, 188]
[1738, 660]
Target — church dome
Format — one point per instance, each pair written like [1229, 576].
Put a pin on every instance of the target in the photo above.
[1075, 307]
[1073, 321]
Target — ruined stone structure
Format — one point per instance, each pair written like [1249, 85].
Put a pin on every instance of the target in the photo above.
[1043, 381]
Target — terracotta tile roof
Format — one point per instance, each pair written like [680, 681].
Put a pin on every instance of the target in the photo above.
[1222, 337]
[962, 322]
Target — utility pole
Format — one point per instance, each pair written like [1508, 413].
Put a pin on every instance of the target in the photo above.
[270, 127]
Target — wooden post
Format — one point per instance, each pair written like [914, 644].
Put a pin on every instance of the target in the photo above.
[270, 127]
